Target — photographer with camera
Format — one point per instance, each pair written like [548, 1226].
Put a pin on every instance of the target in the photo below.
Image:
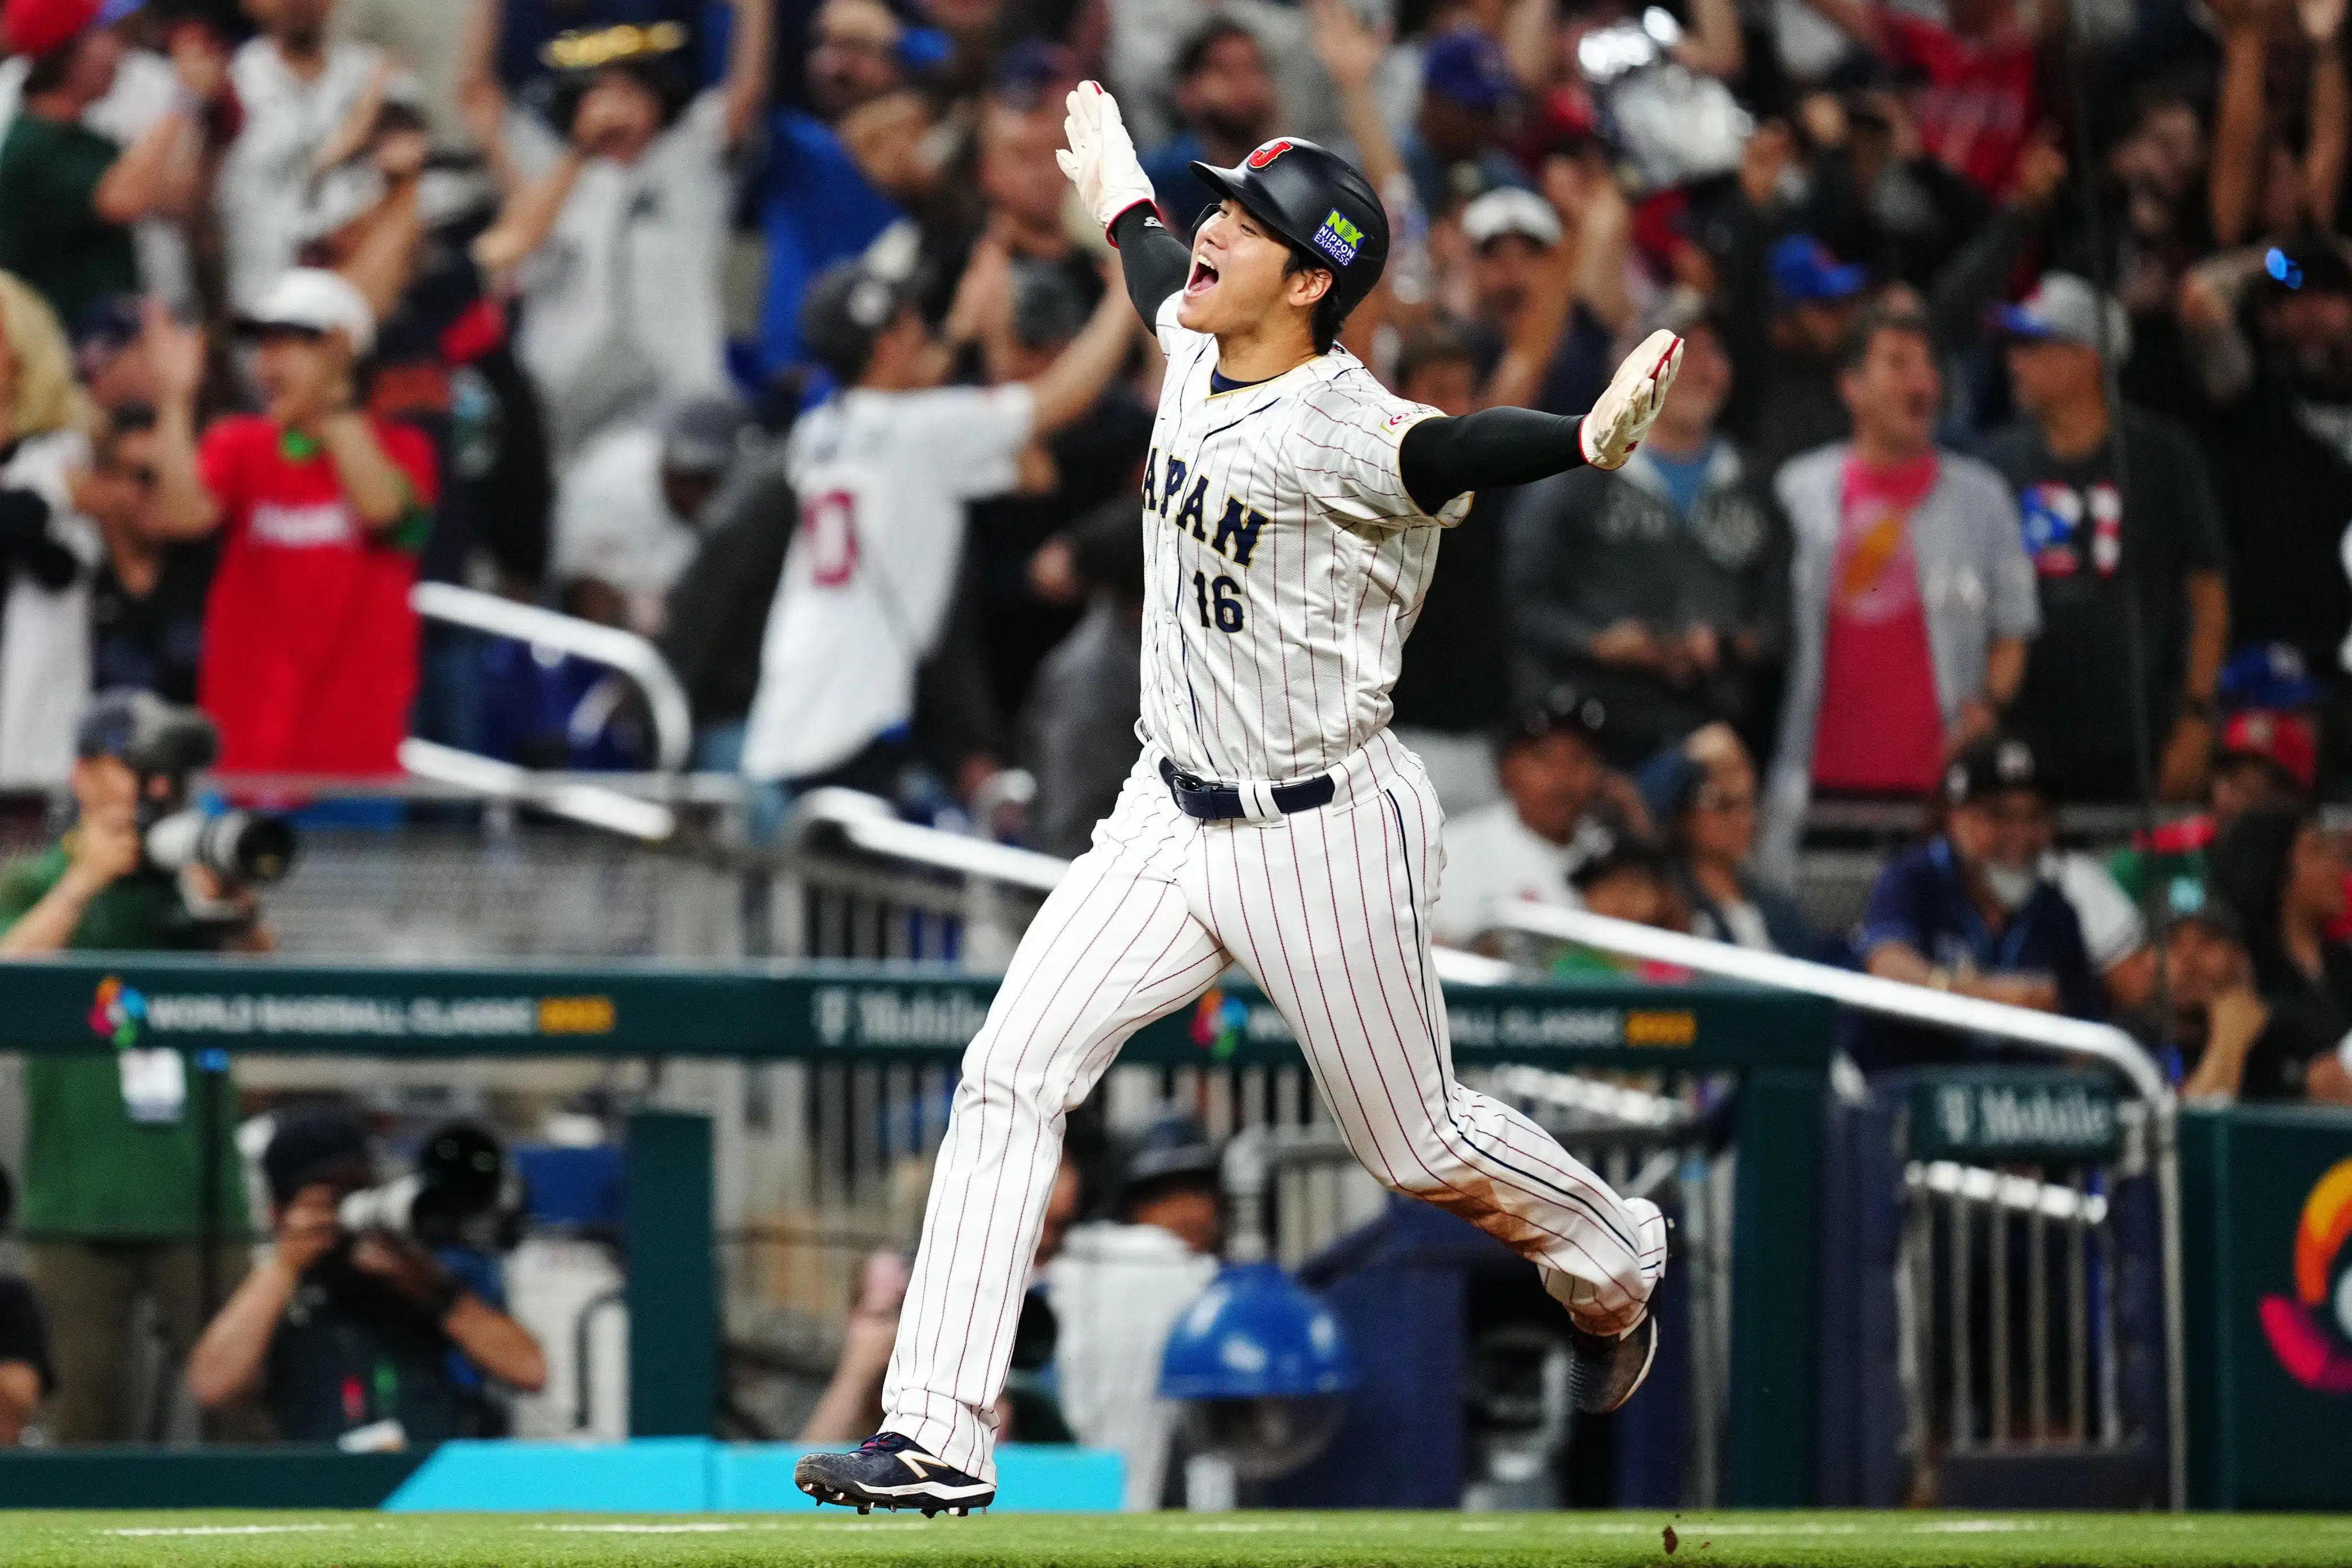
[118, 1153]
[349, 1324]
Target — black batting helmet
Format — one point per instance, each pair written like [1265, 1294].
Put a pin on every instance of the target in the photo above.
[1318, 202]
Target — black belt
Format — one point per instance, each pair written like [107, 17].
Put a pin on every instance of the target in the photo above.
[1212, 802]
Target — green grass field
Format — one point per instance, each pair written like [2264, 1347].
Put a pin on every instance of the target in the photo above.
[1276, 1540]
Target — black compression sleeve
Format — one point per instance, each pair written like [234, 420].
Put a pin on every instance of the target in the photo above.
[1440, 458]
[1155, 261]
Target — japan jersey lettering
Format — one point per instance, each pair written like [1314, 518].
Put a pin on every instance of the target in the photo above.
[1284, 564]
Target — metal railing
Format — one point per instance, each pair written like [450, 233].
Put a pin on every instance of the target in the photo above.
[1948, 1199]
[595, 803]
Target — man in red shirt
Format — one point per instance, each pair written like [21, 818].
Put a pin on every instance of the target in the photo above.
[310, 649]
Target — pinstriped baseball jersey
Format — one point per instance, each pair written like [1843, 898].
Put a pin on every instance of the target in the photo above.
[1285, 563]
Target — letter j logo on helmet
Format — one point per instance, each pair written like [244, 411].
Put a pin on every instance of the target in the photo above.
[1268, 154]
[2311, 1331]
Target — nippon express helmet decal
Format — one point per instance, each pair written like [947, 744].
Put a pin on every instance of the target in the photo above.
[2311, 1331]
[117, 1012]
[1338, 238]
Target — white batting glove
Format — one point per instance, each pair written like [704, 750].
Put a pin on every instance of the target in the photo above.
[1101, 162]
[1631, 405]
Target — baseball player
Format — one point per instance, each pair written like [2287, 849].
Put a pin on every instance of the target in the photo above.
[1292, 509]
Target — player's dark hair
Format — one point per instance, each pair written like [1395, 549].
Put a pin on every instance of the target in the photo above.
[1877, 319]
[1195, 52]
[1328, 314]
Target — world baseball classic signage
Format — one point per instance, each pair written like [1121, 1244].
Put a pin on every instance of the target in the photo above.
[822, 1010]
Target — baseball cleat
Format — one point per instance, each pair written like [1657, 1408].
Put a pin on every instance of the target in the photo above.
[1605, 1370]
[889, 1471]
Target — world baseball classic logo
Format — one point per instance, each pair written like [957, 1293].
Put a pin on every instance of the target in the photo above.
[2311, 1331]
[118, 1011]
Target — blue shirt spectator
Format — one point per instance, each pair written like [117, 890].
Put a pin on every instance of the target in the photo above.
[815, 208]
[816, 205]
[1971, 912]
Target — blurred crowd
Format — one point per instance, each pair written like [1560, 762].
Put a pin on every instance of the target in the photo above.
[2007, 469]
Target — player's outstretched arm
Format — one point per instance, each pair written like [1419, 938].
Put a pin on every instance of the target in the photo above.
[1441, 458]
[1102, 164]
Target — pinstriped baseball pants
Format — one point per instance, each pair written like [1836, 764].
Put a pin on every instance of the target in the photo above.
[1329, 912]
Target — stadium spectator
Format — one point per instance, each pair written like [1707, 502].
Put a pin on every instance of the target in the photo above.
[1455, 687]
[2125, 590]
[2259, 184]
[717, 611]
[1117, 1288]
[1661, 588]
[2267, 755]
[70, 194]
[1454, 149]
[2283, 876]
[430, 39]
[1788, 346]
[26, 1375]
[2278, 435]
[309, 655]
[310, 101]
[147, 598]
[614, 242]
[1702, 795]
[1074, 470]
[336, 1332]
[1627, 876]
[1971, 912]
[1080, 729]
[1225, 106]
[1558, 805]
[1536, 256]
[2237, 1044]
[628, 515]
[1912, 596]
[117, 1212]
[1978, 105]
[46, 546]
[109, 352]
[816, 205]
[883, 469]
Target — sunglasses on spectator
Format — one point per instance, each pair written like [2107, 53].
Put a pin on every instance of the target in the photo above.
[1727, 799]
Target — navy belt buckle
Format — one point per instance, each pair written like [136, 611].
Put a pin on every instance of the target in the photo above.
[1207, 801]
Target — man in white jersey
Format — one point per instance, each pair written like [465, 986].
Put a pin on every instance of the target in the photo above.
[1292, 512]
[882, 470]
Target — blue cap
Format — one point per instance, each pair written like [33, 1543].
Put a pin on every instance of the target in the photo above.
[113, 11]
[1255, 1334]
[1467, 68]
[2269, 675]
[1804, 271]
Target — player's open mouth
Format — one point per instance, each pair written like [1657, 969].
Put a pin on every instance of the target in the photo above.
[1204, 276]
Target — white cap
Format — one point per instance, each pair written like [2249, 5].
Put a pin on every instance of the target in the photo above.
[313, 300]
[1508, 210]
